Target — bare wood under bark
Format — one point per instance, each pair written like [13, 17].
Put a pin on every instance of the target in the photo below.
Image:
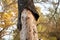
[29, 30]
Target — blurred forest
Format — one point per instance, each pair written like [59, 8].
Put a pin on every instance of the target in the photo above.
[48, 24]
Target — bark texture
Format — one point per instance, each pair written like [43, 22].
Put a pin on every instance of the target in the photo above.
[29, 30]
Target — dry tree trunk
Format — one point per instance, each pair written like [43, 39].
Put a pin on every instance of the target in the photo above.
[29, 30]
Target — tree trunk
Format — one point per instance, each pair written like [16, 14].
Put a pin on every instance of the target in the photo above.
[29, 29]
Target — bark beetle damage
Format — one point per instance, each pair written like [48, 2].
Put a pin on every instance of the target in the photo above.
[29, 30]
[26, 4]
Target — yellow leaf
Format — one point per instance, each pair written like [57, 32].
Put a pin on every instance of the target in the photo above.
[41, 28]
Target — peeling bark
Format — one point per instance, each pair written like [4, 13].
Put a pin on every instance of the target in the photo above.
[29, 30]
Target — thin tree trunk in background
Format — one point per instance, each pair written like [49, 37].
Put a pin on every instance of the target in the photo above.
[29, 30]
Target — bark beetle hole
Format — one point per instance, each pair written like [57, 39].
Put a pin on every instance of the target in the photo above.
[22, 18]
[34, 32]
[27, 18]
[29, 30]
[26, 39]
[39, 39]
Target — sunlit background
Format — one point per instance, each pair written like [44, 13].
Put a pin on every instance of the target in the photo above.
[48, 19]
